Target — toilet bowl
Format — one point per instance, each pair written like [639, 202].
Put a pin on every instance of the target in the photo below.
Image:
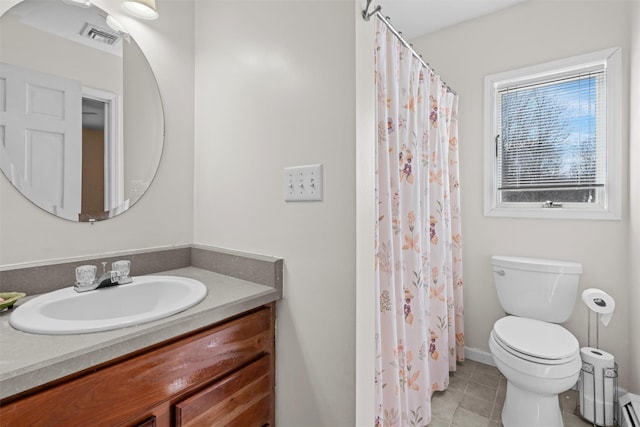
[539, 361]
[538, 357]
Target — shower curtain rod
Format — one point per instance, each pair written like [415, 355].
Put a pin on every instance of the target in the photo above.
[367, 16]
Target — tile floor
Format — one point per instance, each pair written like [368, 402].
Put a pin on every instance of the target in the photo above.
[475, 397]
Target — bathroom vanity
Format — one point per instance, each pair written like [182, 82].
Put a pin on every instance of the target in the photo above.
[213, 364]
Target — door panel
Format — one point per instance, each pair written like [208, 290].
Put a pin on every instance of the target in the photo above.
[45, 102]
[44, 163]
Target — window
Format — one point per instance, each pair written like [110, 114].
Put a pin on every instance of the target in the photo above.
[552, 139]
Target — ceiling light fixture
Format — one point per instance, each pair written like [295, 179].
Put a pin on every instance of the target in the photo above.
[143, 9]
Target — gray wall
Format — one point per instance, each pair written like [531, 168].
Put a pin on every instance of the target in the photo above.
[275, 88]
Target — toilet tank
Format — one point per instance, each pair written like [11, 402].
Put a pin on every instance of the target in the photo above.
[536, 288]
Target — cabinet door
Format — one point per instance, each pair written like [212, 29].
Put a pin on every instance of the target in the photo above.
[241, 399]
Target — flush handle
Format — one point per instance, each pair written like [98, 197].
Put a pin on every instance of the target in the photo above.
[500, 272]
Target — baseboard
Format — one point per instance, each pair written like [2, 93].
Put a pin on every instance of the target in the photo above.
[479, 356]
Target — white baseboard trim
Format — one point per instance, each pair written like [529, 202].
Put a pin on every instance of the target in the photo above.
[479, 356]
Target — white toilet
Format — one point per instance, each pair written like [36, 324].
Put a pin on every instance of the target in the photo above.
[538, 357]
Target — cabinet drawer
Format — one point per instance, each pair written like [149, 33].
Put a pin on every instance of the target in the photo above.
[242, 399]
[117, 392]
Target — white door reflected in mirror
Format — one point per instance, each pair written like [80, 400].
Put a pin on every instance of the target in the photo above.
[42, 148]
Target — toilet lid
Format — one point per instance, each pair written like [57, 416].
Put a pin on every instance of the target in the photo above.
[536, 339]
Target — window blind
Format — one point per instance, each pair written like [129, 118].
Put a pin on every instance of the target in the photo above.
[552, 133]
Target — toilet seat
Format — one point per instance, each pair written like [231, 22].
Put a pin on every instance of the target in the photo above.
[536, 341]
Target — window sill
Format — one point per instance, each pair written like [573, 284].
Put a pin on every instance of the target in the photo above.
[552, 213]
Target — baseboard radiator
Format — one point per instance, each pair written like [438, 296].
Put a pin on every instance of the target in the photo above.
[630, 409]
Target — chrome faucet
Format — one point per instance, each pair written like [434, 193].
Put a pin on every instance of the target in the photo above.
[107, 279]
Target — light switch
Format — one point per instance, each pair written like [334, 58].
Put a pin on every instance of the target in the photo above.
[303, 183]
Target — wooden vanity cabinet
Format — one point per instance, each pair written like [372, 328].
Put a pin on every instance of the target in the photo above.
[221, 376]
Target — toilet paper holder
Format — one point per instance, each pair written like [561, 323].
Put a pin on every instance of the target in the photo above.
[589, 330]
[603, 411]
[598, 381]
[603, 305]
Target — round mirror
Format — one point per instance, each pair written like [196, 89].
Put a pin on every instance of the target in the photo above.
[81, 119]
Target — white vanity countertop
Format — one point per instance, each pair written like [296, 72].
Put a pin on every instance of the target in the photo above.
[29, 360]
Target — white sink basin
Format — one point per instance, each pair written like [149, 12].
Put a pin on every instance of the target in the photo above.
[147, 298]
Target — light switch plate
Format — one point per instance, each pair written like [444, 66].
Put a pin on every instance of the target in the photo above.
[303, 183]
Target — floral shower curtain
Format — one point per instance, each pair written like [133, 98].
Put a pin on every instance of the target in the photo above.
[419, 320]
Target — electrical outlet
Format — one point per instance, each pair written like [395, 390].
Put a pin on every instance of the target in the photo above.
[303, 183]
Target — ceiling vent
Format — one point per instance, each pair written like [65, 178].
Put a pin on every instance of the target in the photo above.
[100, 35]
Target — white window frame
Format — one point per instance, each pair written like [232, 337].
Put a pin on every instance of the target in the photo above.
[610, 209]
